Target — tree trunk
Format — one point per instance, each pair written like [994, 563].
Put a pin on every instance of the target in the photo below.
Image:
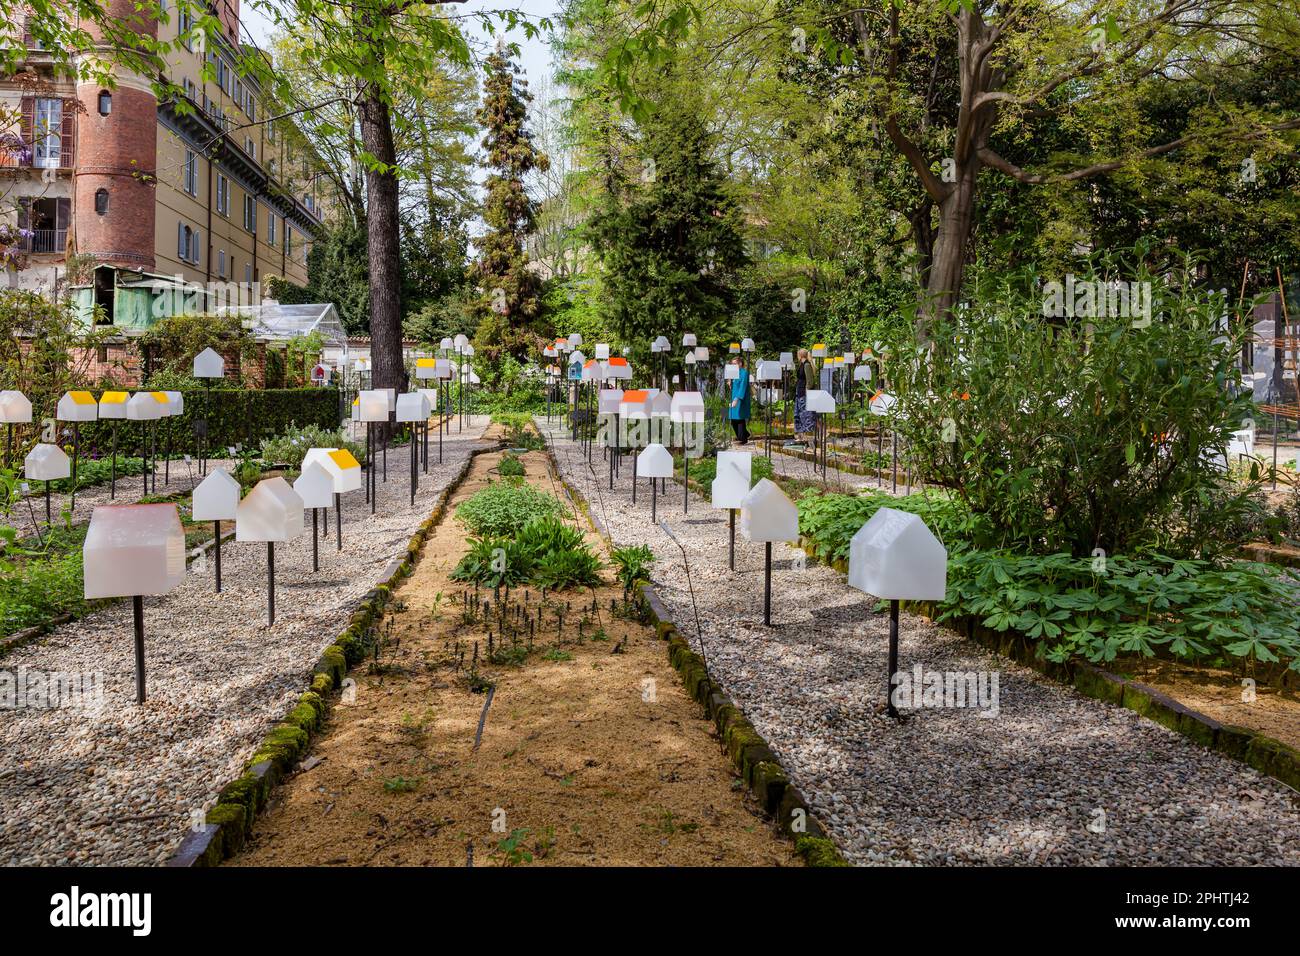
[948, 262]
[387, 368]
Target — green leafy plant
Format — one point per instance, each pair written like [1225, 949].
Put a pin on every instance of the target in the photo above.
[291, 445]
[511, 467]
[564, 569]
[502, 506]
[633, 565]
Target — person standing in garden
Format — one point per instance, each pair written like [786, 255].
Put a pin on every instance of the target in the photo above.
[805, 374]
[738, 412]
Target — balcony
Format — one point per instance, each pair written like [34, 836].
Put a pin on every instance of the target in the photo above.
[46, 241]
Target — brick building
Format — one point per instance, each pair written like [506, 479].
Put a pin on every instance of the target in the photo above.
[202, 185]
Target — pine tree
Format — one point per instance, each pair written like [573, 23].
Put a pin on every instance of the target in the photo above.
[511, 292]
[672, 249]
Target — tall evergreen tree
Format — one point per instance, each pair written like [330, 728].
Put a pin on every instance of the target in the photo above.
[672, 248]
[511, 292]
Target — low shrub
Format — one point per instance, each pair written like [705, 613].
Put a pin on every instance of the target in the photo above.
[511, 467]
[501, 507]
[545, 552]
[291, 445]
[633, 565]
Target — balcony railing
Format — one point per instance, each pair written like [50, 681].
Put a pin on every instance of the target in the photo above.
[47, 240]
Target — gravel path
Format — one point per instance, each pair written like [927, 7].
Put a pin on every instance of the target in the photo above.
[118, 784]
[1055, 778]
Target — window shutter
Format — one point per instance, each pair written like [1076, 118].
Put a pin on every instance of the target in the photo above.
[24, 212]
[180, 240]
[28, 128]
[67, 136]
[27, 32]
[197, 257]
[63, 214]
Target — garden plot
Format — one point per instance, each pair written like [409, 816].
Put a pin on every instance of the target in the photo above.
[120, 784]
[591, 753]
[1055, 778]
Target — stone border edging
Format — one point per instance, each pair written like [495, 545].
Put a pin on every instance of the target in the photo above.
[749, 752]
[1264, 753]
[230, 821]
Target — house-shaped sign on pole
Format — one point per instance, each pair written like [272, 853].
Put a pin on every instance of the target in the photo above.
[734, 473]
[315, 487]
[216, 499]
[76, 407]
[271, 512]
[894, 556]
[47, 463]
[413, 409]
[655, 462]
[133, 551]
[767, 515]
[15, 409]
[345, 471]
[687, 410]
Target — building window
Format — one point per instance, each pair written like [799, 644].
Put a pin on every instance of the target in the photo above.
[187, 243]
[191, 90]
[185, 26]
[270, 227]
[223, 195]
[190, 173]
[101, 201]
[288, 239]
[221, 263]
[105, 102]
[250, 148]
[48, 138]
[250, 214]
[248, 273]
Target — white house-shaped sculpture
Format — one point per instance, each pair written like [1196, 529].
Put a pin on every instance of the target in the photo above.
[787, 360]
[133, 550]
[602, 351]
[430, 396]
[734, 473]
[113, 404]
[820, 401]
[209, 364]
[731, 372]
[701, 353]
[272, 511]
[341, 464]
[15, 409]
[688, 341]
[77, 407]
[687, 407]
[412, 407]
[747, 345]
[768, 371]
[47, 463]
[176, 403]
[618, 368]
[766, 514]
[819, 350]
[883, 403]
[896, 557]
[862, 373]
[372, 406]
[608, 400]
[143, 407]
[661, 344]
[655, 461]
[634, 404]
[315, 486]
[216, 498]
[426, 368]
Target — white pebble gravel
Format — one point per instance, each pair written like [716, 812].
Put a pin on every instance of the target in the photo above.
[1055, 778]
[119, 785]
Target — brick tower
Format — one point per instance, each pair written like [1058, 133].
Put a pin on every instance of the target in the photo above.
[117, 156]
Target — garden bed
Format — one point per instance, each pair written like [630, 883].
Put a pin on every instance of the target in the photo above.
[590, 753]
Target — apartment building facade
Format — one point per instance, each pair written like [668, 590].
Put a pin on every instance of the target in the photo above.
[155, 203]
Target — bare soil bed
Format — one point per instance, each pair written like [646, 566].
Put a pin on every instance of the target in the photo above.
[591, 752]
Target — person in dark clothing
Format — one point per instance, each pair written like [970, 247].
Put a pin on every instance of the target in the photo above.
[805, 378]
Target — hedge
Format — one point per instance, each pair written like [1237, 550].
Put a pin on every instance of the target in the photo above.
[235, 417]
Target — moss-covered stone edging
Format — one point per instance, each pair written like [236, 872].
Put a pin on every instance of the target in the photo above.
[757, 765]
[1266, 754]
[230, 821]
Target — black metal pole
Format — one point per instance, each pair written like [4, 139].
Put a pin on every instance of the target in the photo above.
[315, 539]
[137, 614]
[893, 658]
[9, 443]
[443, 422]
[216, 551]
[338, 518]
[731, 558]
[76, 451]
[425, 434]
[47, 503]
[634, 479]
[415, 465]
[686, 483]
[112, 481]
[767, 583]
[270, 582]
[654, 501]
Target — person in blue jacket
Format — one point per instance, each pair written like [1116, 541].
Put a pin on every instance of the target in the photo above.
[738, 412]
